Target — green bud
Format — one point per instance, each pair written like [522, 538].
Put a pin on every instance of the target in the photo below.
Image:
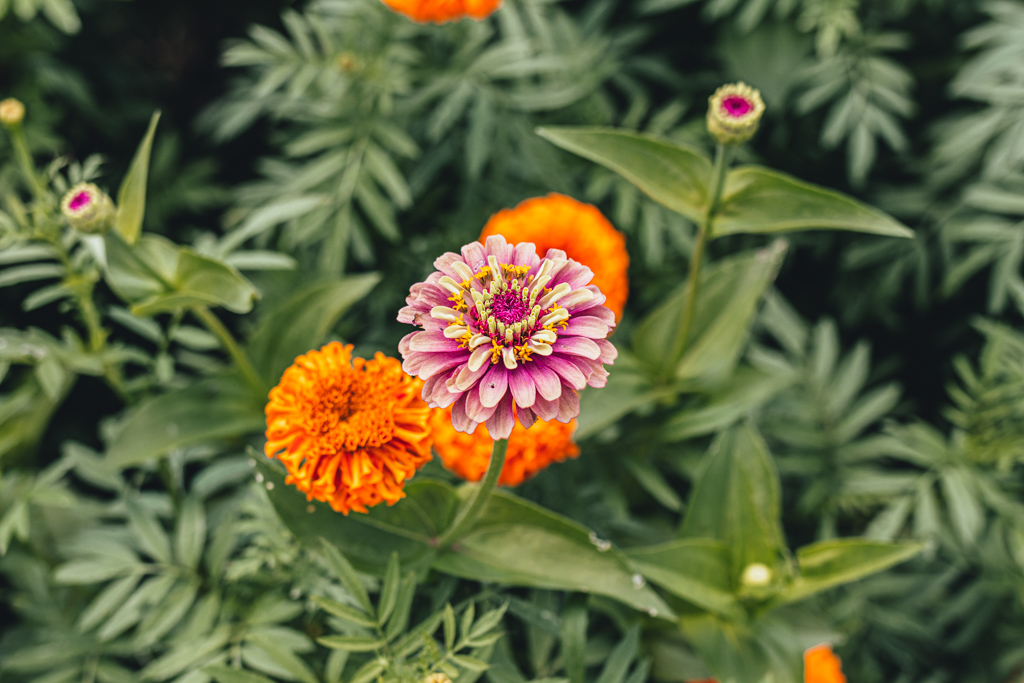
[734, 112]
[88, 209]
[12, 112]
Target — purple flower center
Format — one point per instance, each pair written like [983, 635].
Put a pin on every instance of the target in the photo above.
[79, 200]
[734, 105]
[509, 307]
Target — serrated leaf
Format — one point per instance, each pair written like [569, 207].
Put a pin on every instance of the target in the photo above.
[131, 198]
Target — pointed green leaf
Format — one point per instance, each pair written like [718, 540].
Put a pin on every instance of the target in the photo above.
[760, 200]
[302, 322]
[826, 564]
[736, 501]
[227, 674]
[695, 569]
[519, 543]
[352, 643]
[347, 574]
[409, 528]
[190, 533]
[218, 408]
[671, 174]
[131, 198]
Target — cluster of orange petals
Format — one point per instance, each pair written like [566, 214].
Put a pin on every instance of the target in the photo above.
[441, 11]
[821, 665]
[349, 431]
[529, 450]
[578, 229]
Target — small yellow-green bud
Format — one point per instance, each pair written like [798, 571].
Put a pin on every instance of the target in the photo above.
[756, 575]
[734, 112]
[88, 209]
[12, 112]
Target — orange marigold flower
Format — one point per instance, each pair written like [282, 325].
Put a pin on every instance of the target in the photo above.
[821, 665]
[349, 431]
[529, 450]
[580, 230]
[441, 11]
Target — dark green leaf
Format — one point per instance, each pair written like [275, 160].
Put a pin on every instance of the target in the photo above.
[736, 501]
[302, 322]
[519, 543]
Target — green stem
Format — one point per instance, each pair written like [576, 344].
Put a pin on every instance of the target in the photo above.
[474, 505]
[28, 168]
[716, 184]
[238, 355]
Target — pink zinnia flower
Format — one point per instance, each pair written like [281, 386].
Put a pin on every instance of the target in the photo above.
[507, 333]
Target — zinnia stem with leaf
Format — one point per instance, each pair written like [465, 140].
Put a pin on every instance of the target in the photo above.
[723, 155]
[474, 505]
[238, 355]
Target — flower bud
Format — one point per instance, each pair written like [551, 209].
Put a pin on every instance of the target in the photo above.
[734, 112]
[12, 112]
[756, 575]
[88, 209]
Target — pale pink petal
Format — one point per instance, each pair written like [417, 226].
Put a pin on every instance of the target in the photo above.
[545, 409]
[577, 346]
[438, 362]
[608, 351]
[525, 254]
[565, 369]
[433, 341]
[500, 424]
[526, 416]
[476, 410]
[568, 405]
[524, 391]
[586, 326]
[460, 418]
[549, 386]
[494, 386]
[474, 255]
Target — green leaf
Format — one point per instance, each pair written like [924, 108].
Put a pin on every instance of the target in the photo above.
[218, 408]
[227, 674]
[345, 612]
[182, 656]
[574, 640]
[724, 310]
[519, 543]
[190, 534]
[671, 174]
[826, 564]
[694, 569]
[744, 392]
[302, 322]
[347, 574]
[156, 275]
[352, 643]
[617, 664]
[149, 533]
[759, 200]
[410, 527]
[736, 501]
[449, 627]
[389, 590]
[131, 198]
[628, 388]
[738, 652]
[112, 596]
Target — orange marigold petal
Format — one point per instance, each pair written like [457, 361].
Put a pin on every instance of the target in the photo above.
[349, 431]
[529, 450]
[580, 230]
[821, 665]
[440, 11]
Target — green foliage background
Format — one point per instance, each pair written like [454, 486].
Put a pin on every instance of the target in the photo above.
[316, 157]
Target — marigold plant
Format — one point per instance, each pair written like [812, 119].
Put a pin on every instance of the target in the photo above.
[349, 431]
[529, 450]
[441, 11]
[580, 230]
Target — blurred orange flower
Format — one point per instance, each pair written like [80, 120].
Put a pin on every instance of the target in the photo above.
[349, 431]
[580, 230]
[441, 11]
[821, 665]
[529, 450]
